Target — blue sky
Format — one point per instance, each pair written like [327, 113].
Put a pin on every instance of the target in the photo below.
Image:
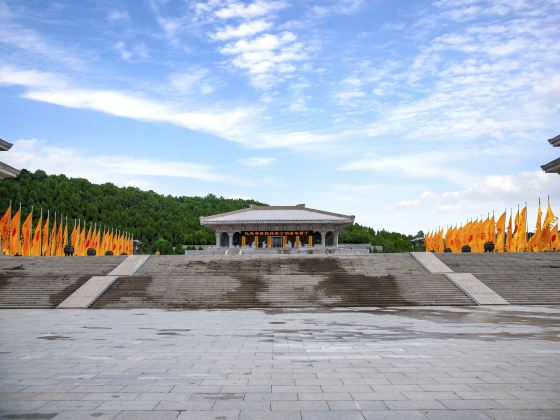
[408, 114]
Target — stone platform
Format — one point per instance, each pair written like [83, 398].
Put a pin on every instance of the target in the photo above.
[492, 362]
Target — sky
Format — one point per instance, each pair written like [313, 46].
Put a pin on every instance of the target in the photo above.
[408, 114]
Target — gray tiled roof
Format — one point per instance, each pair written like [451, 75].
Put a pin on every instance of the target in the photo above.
[269, 214]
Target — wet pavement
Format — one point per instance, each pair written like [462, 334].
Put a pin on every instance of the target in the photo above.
[366, 363]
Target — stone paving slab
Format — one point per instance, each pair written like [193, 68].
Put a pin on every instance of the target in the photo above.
[484, 362]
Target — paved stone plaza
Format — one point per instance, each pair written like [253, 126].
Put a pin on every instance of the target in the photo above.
[387, 363]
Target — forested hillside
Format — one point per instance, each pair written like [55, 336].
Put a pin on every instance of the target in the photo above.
[165, 222]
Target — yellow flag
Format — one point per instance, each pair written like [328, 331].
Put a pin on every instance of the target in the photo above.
[509, 240]
[59, 251]
[98, 242]
[115, 243]
[52, 241]
[549, 220]
[75, 237]
[82, 241]
[5, 231]
[500, 231]
[64, 237]
[45, 247]
[88, 239]
[555, 239]
[522, 234]
[492, 230]
[516, 227]
[14, 234]
[535, 241]
[26, 236]
[36, 244]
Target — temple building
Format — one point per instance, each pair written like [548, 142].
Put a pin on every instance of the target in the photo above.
[6, 171]
[277, 227]
[554, 166]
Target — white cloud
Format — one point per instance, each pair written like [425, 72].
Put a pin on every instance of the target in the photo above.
[171, 25]
[425, 165]
[34, 44]
[242, 125]
[191, 80]
[492, 193]
[344, 7]
[127, 53]
[116, 15]
[257, 162]
[244, 30]
[122, 170]
[225, 123]
[267, 57]
[30, 78]
[249, 11]
[262, 43]
[299, 105]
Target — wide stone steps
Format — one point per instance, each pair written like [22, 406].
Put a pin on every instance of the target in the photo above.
[520, 278]
[306, 281]
[44, 282]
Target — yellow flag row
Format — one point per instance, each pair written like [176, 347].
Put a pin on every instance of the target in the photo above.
[510, 238]
[22, 239]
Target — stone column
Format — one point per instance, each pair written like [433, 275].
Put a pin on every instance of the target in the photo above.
[335, 239]
[323, 237]
[218, 238]
[230, 237]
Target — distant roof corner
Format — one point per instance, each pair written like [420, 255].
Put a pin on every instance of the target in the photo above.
[555, 141]
[5, 146]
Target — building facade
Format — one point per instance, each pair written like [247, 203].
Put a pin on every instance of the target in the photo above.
[277, 227]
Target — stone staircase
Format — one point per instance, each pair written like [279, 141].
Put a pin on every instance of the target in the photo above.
[260, 281]
[44, 282]
[520, 278]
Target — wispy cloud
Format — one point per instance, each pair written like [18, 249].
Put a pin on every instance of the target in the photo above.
[15, 35]
[118, 15]
[268, 56]
[491, 193]
[249, 11]
[244, 30]
[131, 53]
[257, 162]
[35, 154]
[242, 125]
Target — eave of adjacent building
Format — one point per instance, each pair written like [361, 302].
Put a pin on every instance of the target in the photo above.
[5, 146]
[552, 167]
[6, 171]
[555, 141]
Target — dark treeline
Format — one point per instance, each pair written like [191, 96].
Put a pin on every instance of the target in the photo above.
[160, 221]
[391, 241]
